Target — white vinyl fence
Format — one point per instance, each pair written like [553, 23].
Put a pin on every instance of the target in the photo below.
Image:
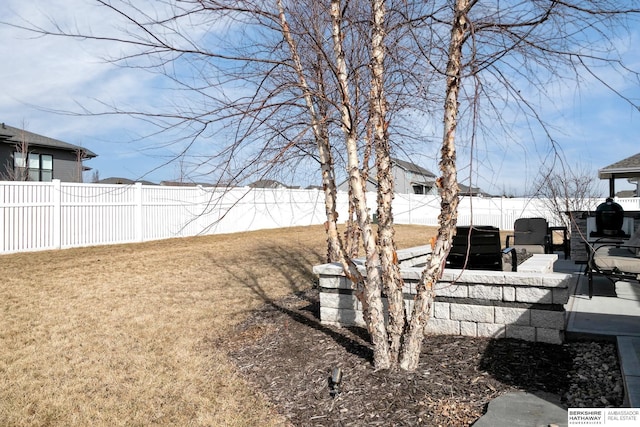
[37, 215]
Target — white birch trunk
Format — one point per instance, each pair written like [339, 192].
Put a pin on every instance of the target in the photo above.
[448, 187]
[335, 246]
[391, 279]
[373, 281]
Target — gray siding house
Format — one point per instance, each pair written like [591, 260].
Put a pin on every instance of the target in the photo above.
[412, 179]
[26, 156]
[409, 179]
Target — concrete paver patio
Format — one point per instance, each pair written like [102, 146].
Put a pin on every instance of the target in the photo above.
[613, 313]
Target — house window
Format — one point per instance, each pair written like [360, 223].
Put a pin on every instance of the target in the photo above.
[34, 167]
[421, 189]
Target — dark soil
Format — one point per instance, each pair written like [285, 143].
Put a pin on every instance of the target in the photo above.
[285, 351]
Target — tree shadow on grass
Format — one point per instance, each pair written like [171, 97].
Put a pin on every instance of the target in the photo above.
[296, 269]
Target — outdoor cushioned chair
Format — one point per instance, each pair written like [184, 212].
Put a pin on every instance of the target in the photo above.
[614, 260]
[482, 245]
[532, 235]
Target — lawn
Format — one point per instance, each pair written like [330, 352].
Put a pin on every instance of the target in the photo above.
[135, 334]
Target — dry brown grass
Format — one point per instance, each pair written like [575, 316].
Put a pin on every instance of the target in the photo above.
[134, 334]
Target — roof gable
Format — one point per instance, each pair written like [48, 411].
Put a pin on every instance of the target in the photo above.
[412, 167]
[625, 168]
[12, 135]
[629, 162]
[268, 183]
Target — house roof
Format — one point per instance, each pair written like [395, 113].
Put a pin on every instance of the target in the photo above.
[11, 135]
[625, 168]
[465, 190]
[123, 181]
[268, 183]
[412, 167]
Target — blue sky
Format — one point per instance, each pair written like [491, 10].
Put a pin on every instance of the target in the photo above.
[593, 126]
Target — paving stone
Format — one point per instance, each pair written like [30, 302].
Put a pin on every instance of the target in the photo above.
[521, 409]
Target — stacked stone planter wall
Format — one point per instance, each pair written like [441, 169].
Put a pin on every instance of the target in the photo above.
[528, 304]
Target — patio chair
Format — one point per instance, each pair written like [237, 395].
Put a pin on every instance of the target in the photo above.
[532, 235]
[478, 248]
[615, 260]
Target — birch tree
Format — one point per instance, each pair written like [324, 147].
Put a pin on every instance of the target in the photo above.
[331, 81]
[565, 189]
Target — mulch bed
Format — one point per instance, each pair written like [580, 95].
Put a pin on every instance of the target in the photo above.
[289, 356]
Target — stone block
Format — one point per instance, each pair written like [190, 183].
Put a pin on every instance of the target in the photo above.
[533, 294]
[472, 313]
[343, 317]
[526, 333]
[331, 282]
[557, 280]
[540, 263]
[409, 287]
[407, 254]
[408, 307]
[551, 336]
[411, 273]
[560, 296]
[485, 292]
[523, 279]
[491, 330]
[442, 310]
[483, 277]
[331, 315]
[332, 269]
[548, 319]
[512, 316]
[442, 327]
[469, 329]
[454, 290]
[508, 293]
[331, 300]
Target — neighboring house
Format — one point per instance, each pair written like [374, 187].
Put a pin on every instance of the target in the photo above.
[628, 169]
[409, 178]
[26, 156]
[465, 190]
[123, 181]
[193, 184]
[269, 183]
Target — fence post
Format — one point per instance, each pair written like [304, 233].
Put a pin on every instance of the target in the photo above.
[57, 213]
[138, 212]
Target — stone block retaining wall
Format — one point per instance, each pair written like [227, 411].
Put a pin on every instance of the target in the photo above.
[527, 304]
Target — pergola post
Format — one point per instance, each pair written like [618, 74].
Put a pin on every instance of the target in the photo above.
[612, 186]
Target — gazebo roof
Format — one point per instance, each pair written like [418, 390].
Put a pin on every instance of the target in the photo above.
[626, 168]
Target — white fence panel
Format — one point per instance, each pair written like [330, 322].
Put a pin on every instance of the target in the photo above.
[95, 214]
[36, 215]
[27, 217]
